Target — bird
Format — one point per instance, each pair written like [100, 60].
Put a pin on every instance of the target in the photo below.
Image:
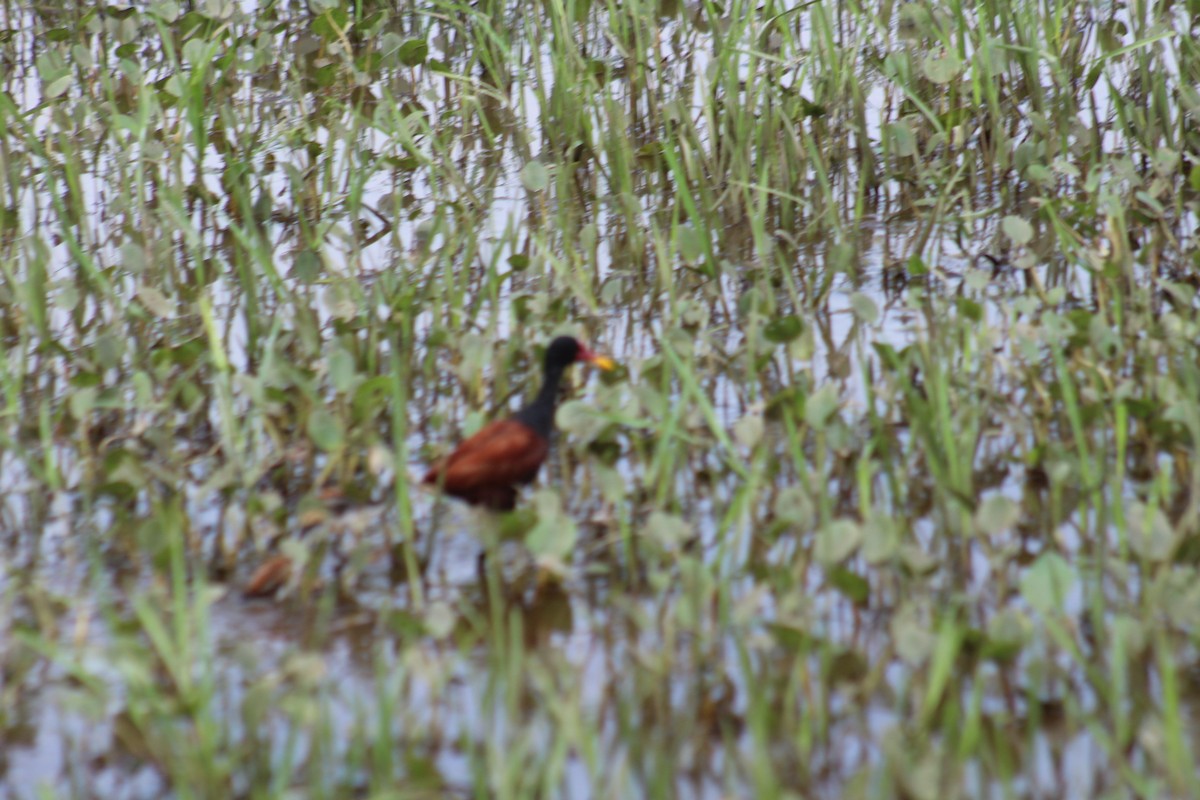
[487, 468]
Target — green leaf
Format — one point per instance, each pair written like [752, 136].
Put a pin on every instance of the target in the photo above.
[881, 539]
[748, 430]
[370, 397]
[667, 530]
[81, 401]
[166, 10]
[580, 420]
[307, 267]
[996, 515]
[1047, 581]
[904, 141]
[970, 309]
[1017, 229]
[1007, 632]
[440, 619]
[155, 302]
[342, 370]
[535, 176]
[1132, 634]
[911, 634]
[917, 560]
[195, 51]
[326, 75]
[837, 541]
[413, 52]
[941, 69]
[1150, 533]
[58, 86]
[850, 584]
[821, 406]
[783, 329]
[553, 537]
[325, 430]
[793, 505]
[331, 25]
[691, 243]
[611, 482]
[864, 308]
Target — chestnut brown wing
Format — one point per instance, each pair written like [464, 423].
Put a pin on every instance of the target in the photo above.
[501, 454]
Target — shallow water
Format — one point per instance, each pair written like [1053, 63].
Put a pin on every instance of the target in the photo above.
[144, 482]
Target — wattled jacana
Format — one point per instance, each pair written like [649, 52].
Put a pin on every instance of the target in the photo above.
[487, 468]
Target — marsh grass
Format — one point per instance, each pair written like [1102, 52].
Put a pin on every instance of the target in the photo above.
[893, 496]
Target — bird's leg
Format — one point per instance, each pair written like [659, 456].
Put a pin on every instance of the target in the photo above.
[435, 518]
[490, 572]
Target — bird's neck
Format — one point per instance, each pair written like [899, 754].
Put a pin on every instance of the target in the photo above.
[539, 414]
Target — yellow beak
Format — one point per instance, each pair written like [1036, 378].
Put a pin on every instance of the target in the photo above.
[604, 362]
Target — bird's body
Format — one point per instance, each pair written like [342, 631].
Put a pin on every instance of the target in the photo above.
[487, 468]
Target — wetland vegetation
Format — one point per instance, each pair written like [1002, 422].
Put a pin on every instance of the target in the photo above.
[894, 494]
